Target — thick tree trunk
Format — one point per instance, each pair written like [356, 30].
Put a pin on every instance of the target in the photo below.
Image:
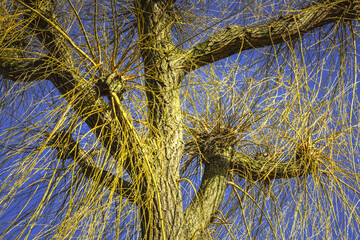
[163, 218]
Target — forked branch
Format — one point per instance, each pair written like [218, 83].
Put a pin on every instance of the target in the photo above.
[216, 148]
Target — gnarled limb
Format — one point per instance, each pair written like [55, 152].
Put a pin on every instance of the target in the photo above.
[234, 39]
[216, 147]
[219, 156]
[214, 181]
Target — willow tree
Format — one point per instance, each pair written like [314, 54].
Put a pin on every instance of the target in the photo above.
[179, 119]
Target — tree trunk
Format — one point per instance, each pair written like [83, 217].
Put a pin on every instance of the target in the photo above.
[163, 219]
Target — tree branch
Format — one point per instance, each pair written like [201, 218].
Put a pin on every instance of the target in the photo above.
[83, 96]
[67, 148]
[264, 169]
[25, 70]
[235, 39]
[216, 148]
[203, 207]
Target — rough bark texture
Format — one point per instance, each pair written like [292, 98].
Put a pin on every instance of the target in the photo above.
[165, 219]
[216, 148]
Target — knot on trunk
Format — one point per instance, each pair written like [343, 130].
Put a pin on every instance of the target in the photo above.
[112, 83]
[216, 145]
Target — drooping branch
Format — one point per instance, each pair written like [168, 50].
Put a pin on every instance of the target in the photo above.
[234, 39]
[67, 148]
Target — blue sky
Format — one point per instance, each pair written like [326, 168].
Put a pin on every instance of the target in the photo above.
[234, 71]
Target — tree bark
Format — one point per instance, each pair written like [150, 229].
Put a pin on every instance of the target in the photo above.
[204, 206]
[164, 218]
[234, 39]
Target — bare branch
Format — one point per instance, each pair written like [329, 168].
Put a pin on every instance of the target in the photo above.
[235, 39]
[67, 147]
[23, 70]
[206, 203]
[266, 168]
